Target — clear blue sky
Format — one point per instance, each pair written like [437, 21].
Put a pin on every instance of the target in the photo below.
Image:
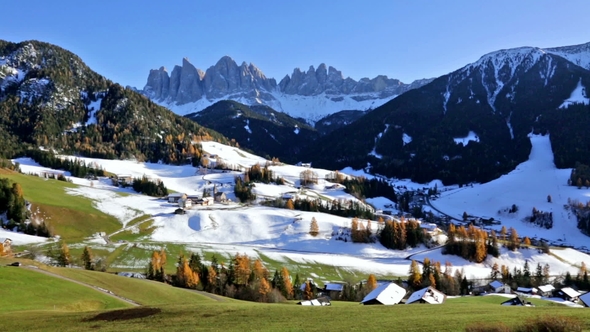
[124, 39]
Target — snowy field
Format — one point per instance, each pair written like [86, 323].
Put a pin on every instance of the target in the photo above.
[283, 235]
[527, 187]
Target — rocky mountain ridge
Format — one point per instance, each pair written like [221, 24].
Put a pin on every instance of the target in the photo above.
[319, 92]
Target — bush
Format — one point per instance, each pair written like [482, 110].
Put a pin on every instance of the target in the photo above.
[551, 324]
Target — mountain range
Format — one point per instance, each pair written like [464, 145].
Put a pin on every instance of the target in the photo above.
[469, 125]
[309, 94]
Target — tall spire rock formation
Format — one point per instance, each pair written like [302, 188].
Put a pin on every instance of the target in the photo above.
[310, 94]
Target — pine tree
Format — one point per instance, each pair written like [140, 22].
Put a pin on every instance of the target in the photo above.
[526, 241]
[242, 269]
[495, 271]
[314, 229]
[371, 282]
[503, 233]
[513, 243]
[87, 258]
[259, 270]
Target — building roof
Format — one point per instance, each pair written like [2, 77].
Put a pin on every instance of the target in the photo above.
[570, 292]
[515, 301]
[334, 287]
[546, 288]
[386, 294]
[585, 298]
[496, 284]
[176, 195]
[526, 290]
[322, 301]
[428, 294]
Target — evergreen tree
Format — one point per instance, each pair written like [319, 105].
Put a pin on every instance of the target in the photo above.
[63, 256]
[87, 258]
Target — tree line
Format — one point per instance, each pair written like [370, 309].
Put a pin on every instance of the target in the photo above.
[400, 235]
[77, 168]
[148, 187]
[473, 243]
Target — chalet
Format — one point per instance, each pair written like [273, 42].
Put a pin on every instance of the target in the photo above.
[333, 290]
[220, 197]
[6, 246]
[175, 197]
[518, 301]
[319, 302]
[428, 295]
[585, 299]
[205, 201]
[124, 179]
[546, 290]
[499, 287]
[185, 203]
[385, 294]
[526, 290]
[193, 198]
[567, 293]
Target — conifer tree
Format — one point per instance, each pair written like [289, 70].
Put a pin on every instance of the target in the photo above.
[242, 269]
[87, 258]
[287, 287]
[503, 233]
[289, 205]
[371, 282]
[307, 292]
[314, 229]
[63, 257]
[526, 241]
[513, 243]
[263, 289]
[415, 279]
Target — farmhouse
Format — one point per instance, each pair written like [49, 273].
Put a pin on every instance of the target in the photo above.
[124, 179]
[518, 301]
[585, 299]
[175, 197]
[204, 201]
[526, 290]
[499, 287]
[333, 290]
[428, 295]
[220, 197]
[385, 294]
[567, 293]
[185, 203]
[320, 301]
[546, 290]
[5, 247]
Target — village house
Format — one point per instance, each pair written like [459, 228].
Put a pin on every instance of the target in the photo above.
[585, 299]
[517, 301]
[428, 295]
[220, 197]
[567, 293]
[124, 179]
[5, 249]
[175, 197]
[333, 290]
[527, 290]
[185, 203]
[546, 290]
[499, 287]
[385, 294]
[205, 201]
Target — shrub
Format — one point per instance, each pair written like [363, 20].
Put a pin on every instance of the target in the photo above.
[551, 324]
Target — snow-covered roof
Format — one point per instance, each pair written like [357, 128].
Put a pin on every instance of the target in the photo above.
[496, 284]
[316, 302]
[428, 294]
[570, 292]
[176, 195]
[334, 287]
[386, 294]
[526, 290]
[546, 288]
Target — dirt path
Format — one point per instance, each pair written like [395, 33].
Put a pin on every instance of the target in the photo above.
[105, 291]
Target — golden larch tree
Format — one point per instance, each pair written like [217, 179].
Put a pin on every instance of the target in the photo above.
[263, 289]
[287, 285]
[314, 229]
[289, 205]
[260, 272]
[242, 269]
[371, 282]
[307, 292]
[415, 279]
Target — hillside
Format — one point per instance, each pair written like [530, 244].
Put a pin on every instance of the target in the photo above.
[49, 98]
[424, 133]
[258, 128]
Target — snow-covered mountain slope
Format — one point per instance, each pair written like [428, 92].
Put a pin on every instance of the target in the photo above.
[527, 187]
[283, 235]
[310, 94]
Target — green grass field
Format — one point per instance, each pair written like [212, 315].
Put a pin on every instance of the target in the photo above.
[23, 289]
[72, 217]
[454, 315]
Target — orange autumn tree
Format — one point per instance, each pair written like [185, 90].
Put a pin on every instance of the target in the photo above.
[185, 276]
[287, 285]
[371, 282]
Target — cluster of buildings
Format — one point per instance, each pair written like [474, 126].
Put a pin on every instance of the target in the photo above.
[545, 291]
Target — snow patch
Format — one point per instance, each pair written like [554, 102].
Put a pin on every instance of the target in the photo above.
[578, 96]
[472, 136]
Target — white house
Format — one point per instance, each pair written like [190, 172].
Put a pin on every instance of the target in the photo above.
[568, 294]
[175, 197]
[499, 287]
[385, 294]
[526, 290]
[427, 295]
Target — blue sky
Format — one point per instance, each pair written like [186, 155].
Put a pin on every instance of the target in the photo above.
[124, 39]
